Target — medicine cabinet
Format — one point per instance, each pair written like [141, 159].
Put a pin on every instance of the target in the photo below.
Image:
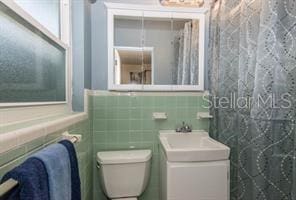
[154, 48]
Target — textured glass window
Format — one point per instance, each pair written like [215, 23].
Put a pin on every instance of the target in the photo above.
[32, 67]
[46, 12]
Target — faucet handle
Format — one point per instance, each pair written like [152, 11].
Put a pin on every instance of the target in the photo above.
[178, 130]
[188, 128]
[184, 128]
[180, 127]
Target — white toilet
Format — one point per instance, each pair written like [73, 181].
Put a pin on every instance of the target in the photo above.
[124, 174]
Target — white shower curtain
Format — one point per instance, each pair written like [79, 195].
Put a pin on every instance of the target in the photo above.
[187, 68]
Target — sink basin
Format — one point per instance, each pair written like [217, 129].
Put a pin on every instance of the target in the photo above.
[196, 146]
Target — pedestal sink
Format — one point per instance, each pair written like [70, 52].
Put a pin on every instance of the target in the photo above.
[193, 166]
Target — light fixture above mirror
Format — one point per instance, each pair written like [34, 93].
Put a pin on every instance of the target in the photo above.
[182, 3]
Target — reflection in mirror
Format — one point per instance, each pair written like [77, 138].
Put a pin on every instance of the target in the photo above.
[175, 44]
[128, 31]
[133, 65]
[186, 50]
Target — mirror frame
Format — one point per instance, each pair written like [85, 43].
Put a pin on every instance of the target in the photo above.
[154, 11]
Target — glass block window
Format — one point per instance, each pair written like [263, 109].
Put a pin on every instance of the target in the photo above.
[32, 66]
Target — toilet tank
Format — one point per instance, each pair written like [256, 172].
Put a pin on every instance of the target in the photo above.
[124, 173]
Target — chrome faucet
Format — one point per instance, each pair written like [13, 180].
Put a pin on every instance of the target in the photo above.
[184, 128]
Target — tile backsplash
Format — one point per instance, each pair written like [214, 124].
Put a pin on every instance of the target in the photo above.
[124, 121]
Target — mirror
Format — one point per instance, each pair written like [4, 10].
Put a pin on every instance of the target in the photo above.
[133, 65]
[176, 48]
[157, 50]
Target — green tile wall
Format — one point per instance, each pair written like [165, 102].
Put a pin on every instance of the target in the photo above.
[124, 120]
[119, 121]
[14, 157]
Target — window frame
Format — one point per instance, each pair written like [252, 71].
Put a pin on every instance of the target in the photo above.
[64, 42]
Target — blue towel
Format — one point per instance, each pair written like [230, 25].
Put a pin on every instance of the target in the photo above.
[33, 181]
[75, 179]
[57, 163]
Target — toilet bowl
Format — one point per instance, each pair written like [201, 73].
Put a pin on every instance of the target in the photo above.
[124, 174]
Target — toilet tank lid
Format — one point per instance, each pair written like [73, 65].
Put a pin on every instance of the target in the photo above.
[120, 157]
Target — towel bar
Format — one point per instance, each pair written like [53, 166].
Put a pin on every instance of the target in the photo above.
[7, 186]
[11, 183]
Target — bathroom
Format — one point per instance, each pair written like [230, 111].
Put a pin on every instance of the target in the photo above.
[148, 99]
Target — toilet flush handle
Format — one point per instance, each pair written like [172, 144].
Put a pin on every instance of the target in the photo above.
[98, 166]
